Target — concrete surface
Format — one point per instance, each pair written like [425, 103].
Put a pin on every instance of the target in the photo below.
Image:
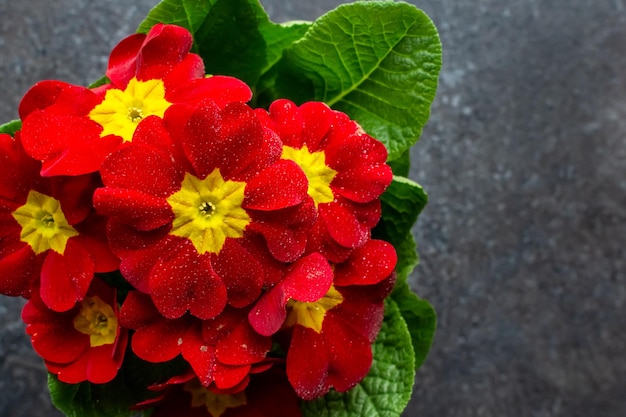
[522, 244]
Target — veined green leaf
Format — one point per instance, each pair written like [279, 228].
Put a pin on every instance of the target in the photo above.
[11, 127]
[378, 62]
[386, 390]
[402, 203]
[420, 318]
[233, 37]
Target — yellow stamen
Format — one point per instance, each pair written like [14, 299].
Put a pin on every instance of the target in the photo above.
[208, 211]
[43, 223]
[312, 314]
[121, 111]
[317, 172]
[216, 404]
[97, 319]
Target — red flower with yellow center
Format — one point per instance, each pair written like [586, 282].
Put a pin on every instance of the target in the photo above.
[49, 233]
[332, 315]
[183, 199]
[346, 171]
[72, 128]
[84, 343]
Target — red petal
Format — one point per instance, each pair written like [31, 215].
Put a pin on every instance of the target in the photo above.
[349, 355]
[309, 279]
[65, 278]
[227, 376]
[317, 119]
[307, 364]
[368, 264]
[279, 186]
[288, 122]
[142, 168]
[185, 281]
[164, 47]
[200, 356]
[41, 95]
[240, 272]
[363, 183]
[135, 208]
[269, 313]
[161, 340]
[243, 346]
[123, 59]
[220, 89]
[103, 364]
[343, 226]
[70, 373]
[18, 270]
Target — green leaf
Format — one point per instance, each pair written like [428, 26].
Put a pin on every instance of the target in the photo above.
[189, 14]
[402, 165]
[407, 258]
[89, 400]
[102, 81]
[233, 37]
[387, 388]
[402, 203]
[420, 317]
[11, 127]
[378, 62]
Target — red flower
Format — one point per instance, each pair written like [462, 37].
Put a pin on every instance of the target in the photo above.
[345, 168]
[82, 344]
[182, 198]
[332, 320]
[72, 128]
[222, 351]
[268, 395]
[48, 230]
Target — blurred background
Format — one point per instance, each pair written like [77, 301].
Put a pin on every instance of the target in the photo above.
[524, 159]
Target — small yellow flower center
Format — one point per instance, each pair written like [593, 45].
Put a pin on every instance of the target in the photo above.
[97, 319]
[216, 404]
[208, 211]
[317, 172]
[43, 223]
[121, 111]
[312, 314]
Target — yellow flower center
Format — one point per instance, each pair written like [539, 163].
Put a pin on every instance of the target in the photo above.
[121, 111]
[216, 404]
[317, 172]
[312, 314]
[43, 223]
[97, 319]
[208, 211]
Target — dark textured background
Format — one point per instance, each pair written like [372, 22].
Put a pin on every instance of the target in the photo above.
[522, 243]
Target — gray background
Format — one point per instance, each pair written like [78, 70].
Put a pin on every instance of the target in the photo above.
[522, 243]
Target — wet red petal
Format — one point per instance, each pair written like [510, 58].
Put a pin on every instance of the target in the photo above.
[123, 59]
[349, 355]
[281, 185]
[364, 183]
[185, 281]
[132, 207]
[142, 168]
[18, 270]
[307, 364]
[368, 264]
[241, 273]
[343, 226]
[65, 278]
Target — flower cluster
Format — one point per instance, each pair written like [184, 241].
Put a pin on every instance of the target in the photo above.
[243, 235]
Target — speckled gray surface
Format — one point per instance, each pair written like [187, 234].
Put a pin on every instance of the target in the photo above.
[522, 243]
